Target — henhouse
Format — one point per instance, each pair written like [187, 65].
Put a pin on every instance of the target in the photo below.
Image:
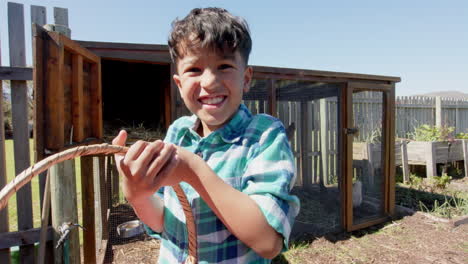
[85, 90]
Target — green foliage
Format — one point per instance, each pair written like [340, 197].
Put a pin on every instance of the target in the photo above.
[375, 136]
[415, 181]
[431, 133]
[452, 206]
[441, 182]
[462, 135]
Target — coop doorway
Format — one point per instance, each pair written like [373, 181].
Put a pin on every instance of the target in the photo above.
[135, 97]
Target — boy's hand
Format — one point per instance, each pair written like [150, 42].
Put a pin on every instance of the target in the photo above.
[147, 166]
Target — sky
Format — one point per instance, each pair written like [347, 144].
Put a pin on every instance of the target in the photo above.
[425, 42]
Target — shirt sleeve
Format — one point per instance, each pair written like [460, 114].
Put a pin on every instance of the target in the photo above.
[269, 177]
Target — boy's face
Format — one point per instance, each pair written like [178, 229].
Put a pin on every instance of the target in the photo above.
[212, 85]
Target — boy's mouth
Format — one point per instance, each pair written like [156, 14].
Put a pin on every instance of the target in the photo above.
[212, 100]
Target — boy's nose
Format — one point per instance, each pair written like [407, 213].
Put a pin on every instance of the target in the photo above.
[208, 79]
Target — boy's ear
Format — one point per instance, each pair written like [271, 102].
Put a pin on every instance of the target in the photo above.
[176, 79]
[247, 78]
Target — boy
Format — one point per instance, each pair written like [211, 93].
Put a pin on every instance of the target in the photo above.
[236, 169]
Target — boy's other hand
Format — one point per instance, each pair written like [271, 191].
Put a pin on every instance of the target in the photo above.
[147, 166]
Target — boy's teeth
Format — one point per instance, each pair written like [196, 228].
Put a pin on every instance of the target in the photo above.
[212, 100]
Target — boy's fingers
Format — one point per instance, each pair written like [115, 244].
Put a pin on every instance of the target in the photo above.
[149, 153]
[135, 150]
[120, 139]
[167, 168]
[166, 153]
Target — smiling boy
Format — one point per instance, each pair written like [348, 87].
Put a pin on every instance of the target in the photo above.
[236, 169]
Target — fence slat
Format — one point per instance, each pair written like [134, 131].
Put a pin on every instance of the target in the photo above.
[4, 224]
[20, 122]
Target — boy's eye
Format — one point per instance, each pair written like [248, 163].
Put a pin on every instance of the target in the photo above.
[193, 69]
[224, 66]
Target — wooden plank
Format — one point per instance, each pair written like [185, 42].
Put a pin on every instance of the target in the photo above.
[77, 97]
[431, 165]
[306, 175]
[438, 111]
[38, 15]
[61, 16]
[74, 47]
[465, 156]
[4, 220]
[389, 163]
[302, 72]
[64, 206]
[22, 238]
[99, 221]
[87, 188]
[271, 97]
[324, 123]
[404, 161]
[96, 101]
[16, 73]
[54, 96]
[45, 219]
[20, 122]
[347, 160]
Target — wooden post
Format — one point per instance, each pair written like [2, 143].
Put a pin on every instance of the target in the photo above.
[324, 149]
[87, 188]
[431, 165]
[271, 97]
[465, 156]
[64, 207]
[439, 121]
[20, 123]
[304, 147]
[404, 161]
[63, 180]
[370, 164]
[4, 225]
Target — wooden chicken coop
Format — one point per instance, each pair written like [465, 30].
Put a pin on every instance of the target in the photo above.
[84, 86]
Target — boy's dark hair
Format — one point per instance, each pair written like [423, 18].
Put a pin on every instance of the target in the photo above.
[210, 28]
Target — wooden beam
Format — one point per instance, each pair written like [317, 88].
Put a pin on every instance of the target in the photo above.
[324, 139]
[23, 238]
[389, 97]
[96, 101]
[78, 114]
[54, 115]
[404, 161]
[64, 206]
[438, 112]
[465, 156]
[366, 86]
[75, 48]
[314, 73]
[20, 122]
[271, 87]
[87, 188]
[348, 158]
[16, 73]
[4, 219]
[431, 164]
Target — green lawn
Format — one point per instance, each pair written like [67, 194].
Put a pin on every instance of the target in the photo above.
[12, 212]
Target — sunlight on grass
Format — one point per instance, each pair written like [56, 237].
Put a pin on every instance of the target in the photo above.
[10, 170]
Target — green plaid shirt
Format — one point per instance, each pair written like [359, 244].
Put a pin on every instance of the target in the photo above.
[250, 153]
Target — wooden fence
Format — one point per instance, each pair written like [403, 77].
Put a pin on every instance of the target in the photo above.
[321, 142]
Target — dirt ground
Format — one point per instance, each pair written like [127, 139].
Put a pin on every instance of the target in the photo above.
[417, 238]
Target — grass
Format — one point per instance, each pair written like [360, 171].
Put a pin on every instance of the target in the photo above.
[12, 207]
[10, 170]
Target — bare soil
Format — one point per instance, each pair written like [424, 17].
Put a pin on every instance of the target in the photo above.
[417, 238]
